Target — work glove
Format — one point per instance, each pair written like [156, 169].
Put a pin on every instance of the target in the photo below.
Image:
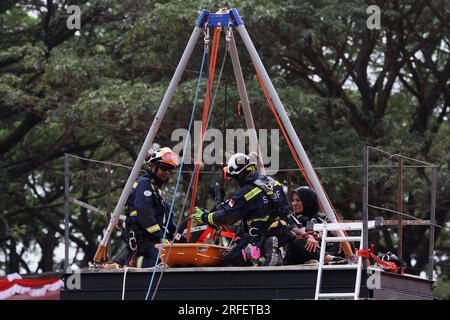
[199, 216]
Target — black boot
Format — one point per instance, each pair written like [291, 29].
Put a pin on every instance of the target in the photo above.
[271, 254]
[123, 257]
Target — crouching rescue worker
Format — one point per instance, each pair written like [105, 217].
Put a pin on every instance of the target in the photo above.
[261, 205]
[147, 212]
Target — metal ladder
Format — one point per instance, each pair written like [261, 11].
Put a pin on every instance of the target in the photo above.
[352, 226]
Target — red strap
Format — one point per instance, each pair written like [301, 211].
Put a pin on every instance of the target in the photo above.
[227, 233]
[366, 253]
[390, 266]
[210, 83]
[207, 234]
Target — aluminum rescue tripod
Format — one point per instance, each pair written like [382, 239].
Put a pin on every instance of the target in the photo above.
[222, 19]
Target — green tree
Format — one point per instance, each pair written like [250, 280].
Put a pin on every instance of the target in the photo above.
[94, 93]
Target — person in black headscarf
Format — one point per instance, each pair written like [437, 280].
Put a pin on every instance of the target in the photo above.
[304, 247]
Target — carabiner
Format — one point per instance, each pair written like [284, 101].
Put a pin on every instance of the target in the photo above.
[132, 241]
[206, 38]
[228, 37]
[250, 232]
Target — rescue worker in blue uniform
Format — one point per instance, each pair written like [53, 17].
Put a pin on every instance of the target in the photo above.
[147, 212]
[261, 205]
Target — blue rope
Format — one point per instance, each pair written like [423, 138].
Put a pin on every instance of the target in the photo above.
[179, 175]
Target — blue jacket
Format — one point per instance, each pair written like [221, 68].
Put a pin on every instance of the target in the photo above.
[147, 211]
[258, 201]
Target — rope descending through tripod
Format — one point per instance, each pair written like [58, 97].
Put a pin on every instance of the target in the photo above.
[206, 111]
[178, 180]
[206, 116]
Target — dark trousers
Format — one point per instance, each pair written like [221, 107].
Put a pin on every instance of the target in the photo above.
[145, 256]
[297, 254]
[122, 258]
[235, 258]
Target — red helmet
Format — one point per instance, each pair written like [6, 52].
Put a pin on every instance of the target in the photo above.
[162, 155]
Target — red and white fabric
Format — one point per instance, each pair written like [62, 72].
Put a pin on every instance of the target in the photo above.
[15, 284]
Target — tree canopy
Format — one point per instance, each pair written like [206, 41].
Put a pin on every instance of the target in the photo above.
[93, 93]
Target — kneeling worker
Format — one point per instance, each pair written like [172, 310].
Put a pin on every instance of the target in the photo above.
[147, 212]
[262, 206]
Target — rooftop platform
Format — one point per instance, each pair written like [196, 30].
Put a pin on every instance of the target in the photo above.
[247, 283]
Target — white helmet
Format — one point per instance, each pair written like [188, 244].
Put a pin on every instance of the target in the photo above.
[238, 163]
[162, 155]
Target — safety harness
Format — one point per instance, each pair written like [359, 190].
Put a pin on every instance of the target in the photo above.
[135, 237]
[274, 219]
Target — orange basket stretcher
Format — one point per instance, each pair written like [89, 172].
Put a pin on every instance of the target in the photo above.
[193, 254]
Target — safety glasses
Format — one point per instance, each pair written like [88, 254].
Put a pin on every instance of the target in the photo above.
[165, 167]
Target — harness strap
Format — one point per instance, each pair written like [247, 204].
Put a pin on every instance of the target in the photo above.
[368, 253]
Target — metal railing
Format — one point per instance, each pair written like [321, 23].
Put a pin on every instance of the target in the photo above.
[365, 197]
[400, 214]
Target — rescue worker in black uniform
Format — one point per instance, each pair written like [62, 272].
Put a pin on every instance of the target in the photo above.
[262, 206]
[147, 212]
[303, 246]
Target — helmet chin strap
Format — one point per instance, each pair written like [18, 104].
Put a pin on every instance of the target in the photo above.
[240, 181]
[155, 174]
[241, 177]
